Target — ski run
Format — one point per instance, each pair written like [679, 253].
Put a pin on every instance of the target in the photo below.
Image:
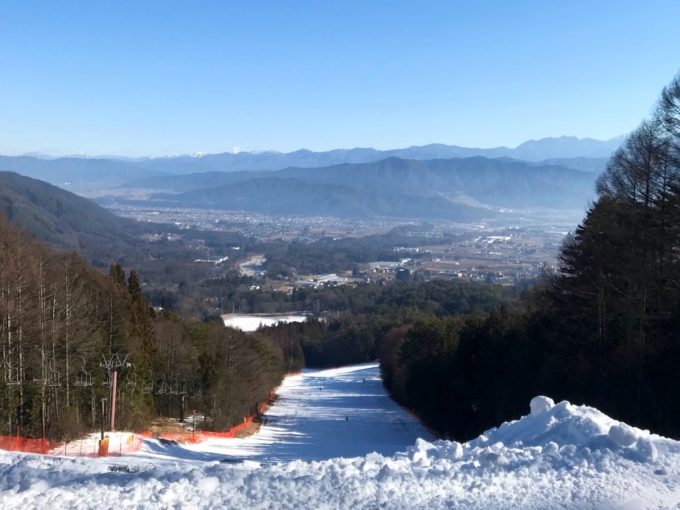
[334, 439]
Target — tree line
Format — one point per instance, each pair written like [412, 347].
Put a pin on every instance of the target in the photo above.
[357, 319]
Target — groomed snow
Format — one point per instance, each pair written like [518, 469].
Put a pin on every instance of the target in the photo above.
[321, 414]
[558, 456]
[250, 323]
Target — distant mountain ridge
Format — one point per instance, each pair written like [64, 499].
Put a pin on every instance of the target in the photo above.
[533, 150]
[78, 171]
[63, 219]
[290, 196]
[72, 170]
[460, 189]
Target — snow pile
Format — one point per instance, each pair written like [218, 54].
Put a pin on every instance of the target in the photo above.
[565, 425]
[559, 456]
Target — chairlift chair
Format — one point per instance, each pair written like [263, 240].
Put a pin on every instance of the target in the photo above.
[131, 382]
[53, 376]
[163, 388]
[83, 377]
[14, 378]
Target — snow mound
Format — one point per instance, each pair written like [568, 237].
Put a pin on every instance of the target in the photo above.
[551, 425]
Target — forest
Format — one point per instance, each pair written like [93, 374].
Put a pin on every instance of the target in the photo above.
[65, 328]
[603, 330]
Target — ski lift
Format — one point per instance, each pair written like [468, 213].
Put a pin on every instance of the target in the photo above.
[173, 389]
[113, 364]
[13, 380]
[163, 388]
[53, 376]
[39, 381]
[131, 382]
[12, 376]
[83, 378]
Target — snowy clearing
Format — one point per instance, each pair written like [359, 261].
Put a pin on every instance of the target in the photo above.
[250, 323]
[558, 456]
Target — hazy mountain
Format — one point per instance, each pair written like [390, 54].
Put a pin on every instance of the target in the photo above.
[289, 196]
[565, 147]
[63, 219]
[79, 171]
[73, 171]
[463, 175]
[391, 187]
[494, 182]
[594, 165]
[194, 181]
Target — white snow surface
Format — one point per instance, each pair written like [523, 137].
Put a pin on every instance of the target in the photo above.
[250, 323]
[316, 452]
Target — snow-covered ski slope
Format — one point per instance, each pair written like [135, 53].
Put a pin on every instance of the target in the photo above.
[319, 414]
[558, 456]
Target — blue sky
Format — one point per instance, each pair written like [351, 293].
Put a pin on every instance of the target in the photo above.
[150, 78]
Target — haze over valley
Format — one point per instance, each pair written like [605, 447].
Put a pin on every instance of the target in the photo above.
[476, 217]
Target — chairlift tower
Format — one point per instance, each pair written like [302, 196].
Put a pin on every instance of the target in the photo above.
[112, 365]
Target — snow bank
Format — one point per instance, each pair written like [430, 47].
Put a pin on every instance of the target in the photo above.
[558, 456]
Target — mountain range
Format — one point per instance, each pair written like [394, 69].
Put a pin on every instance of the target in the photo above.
[461, 189]
[565, 147]
[572, 152]
[428, 182]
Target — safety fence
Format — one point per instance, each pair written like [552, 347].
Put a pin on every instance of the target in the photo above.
[25, 444]
[125, 443]
[201, 435]
[114, 443]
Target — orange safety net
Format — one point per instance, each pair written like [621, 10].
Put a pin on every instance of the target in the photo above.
[201, 435]
[232, 432]
[122, 447]
[25, 444]
[131, 444]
